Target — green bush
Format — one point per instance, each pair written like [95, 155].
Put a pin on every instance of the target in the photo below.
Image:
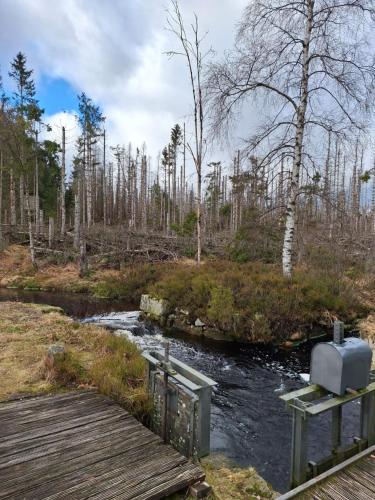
[221, 310]
[130, 286]
[256, 241]
[187, 228]
[253, 301]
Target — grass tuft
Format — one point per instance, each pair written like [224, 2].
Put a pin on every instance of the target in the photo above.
[93, 357]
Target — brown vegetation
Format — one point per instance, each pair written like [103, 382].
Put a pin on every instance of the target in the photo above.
[249, 301]
[94, 358]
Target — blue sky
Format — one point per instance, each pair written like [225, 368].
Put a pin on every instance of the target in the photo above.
[56, 94]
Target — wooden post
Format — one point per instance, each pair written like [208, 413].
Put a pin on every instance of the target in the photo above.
[299, 448]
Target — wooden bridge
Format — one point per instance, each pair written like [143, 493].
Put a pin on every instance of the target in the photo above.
[81, 444]
[353, 479]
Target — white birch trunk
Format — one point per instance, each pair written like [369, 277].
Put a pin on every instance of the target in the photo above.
[50, 231]
[300, 128]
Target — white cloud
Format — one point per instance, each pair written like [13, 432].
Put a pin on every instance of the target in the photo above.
[72, 132]
[114, 51]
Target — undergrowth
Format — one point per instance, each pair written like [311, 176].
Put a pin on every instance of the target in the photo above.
[254, 302]
[93, 357]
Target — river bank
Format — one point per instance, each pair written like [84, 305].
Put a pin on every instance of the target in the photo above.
[91, 358]
[250, 379]
[94, 358]
[243, 302]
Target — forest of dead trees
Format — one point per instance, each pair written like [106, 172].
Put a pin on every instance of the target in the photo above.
[113, 198]
[113, 195]
[116, 199]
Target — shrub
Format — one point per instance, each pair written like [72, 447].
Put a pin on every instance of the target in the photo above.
[256, 241]
[221, 310]
[187, 228]
[253, 301]
[64, 369]
[129, 286]
[120, 373]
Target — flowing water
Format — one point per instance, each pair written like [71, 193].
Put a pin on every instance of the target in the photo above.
[249, 424]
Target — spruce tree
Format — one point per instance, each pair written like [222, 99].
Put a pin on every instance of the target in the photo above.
[24, 96]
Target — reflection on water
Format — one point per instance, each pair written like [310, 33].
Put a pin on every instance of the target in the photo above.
[249, 424]
[76, 305]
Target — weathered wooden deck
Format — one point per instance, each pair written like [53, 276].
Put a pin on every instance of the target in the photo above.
[83, 445]
[353, 479]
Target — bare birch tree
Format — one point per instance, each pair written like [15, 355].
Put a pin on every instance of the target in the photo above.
[191, 51]
[309, 62]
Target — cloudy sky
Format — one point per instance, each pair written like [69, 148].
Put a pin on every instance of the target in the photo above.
[114, 51]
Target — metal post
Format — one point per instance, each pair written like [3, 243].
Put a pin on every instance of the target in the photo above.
[299, 448]
[165, 416]
[338, 332]
[336, 428]
[368, 418]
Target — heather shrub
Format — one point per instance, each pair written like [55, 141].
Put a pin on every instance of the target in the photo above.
[254, 302]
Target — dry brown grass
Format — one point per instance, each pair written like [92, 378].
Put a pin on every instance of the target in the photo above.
[234, 483]
[16, 271]
[367, 331]
[26, 331]
[94, 356]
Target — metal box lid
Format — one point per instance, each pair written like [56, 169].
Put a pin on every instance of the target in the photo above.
[339, 366]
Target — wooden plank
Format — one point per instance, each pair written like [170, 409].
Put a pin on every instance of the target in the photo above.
[52, 429]
[122, 481]
[47, 417]
[64, 451]
[88, 429]
[83, 444]
[57, 469]
[35, 402]
[322, 477]
[364, 479]
[152, 490]
[101, 475]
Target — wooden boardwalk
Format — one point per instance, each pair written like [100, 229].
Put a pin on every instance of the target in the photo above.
[83, 445]
[353, 479]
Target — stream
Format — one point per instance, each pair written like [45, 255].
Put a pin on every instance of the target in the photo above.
[250, 425]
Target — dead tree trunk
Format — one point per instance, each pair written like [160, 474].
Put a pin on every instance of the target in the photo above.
[62, 186]
[30, 226]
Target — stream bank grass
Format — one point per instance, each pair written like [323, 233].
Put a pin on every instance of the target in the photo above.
[229, 482]
[237, 483]
[94, 358]
[248, 301]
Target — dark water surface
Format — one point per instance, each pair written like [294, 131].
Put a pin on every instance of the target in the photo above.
[249, 424]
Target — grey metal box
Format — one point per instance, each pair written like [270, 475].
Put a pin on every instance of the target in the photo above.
[340, 366]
